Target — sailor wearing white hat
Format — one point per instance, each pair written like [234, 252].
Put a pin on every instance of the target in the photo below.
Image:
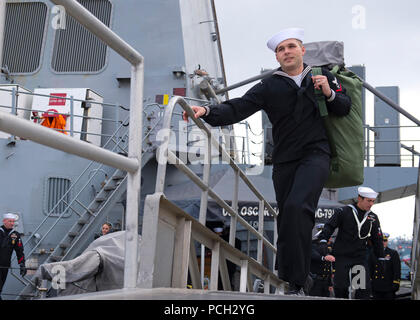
[290, 33]
[367, 192]
[9, 216]
[10, 240]
[356, 225]
[301, 153]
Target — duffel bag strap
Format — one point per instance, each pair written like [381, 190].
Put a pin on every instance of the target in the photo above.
[320, 98]
[322, 106]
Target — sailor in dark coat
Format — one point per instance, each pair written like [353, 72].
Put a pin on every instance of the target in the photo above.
[10, 240]
[301, 154]
[386, 281]
[321, 267]
[356, 225]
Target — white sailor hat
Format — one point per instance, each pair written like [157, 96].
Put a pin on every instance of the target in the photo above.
[9, 216]
[290, 33]
[367, 192]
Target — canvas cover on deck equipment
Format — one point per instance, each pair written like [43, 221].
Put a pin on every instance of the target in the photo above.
[99, 267]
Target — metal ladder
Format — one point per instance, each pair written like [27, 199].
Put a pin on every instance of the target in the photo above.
[90, 219]
[81, 232]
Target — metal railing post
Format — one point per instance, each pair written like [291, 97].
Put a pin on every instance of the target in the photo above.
[117, 118]
[72, 116]
[206, 177]
[260, 230]
[14, 109]
[367, 146]
[2, 27]
[134, 178]
[233, 219]
[247, 143]
[104, 33]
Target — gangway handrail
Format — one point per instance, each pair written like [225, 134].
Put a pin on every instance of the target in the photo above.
[169, 242]
[366, 85]
[165, 156]
[17, 92]
[411, 149]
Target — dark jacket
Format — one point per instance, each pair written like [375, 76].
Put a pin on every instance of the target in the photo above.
[386, 279]
[320, 269]
[10, 240]
[297, 125]
[348, 242]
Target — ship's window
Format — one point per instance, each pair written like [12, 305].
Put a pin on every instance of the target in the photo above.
[56, 199]
[23, 37]
[75, 48]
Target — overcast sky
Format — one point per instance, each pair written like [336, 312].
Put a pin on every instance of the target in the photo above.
[382, 35]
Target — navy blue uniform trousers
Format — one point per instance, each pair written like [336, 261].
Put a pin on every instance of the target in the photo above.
[298, 186]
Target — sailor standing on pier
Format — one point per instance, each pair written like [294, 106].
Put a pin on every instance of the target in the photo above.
[10, 240]
[301, 155]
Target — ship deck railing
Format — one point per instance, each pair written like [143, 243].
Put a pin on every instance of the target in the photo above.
[243, 154]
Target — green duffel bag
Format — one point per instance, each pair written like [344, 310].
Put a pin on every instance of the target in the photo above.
[345, 134]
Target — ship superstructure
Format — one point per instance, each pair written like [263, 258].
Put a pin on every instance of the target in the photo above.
[114, 96]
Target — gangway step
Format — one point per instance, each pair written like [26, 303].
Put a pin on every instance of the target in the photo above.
[82, 221]
[73, 234]
[65, 245]
[109, 188]
[56, 258]
[92, 210]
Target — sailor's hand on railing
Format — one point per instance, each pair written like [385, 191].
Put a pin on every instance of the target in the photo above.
[198, 112]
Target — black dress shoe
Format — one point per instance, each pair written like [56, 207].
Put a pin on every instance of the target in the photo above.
[299, 292]
[295, 290]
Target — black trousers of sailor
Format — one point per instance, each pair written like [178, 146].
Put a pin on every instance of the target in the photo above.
[298, 186]
[343, 266]
[3, 275]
